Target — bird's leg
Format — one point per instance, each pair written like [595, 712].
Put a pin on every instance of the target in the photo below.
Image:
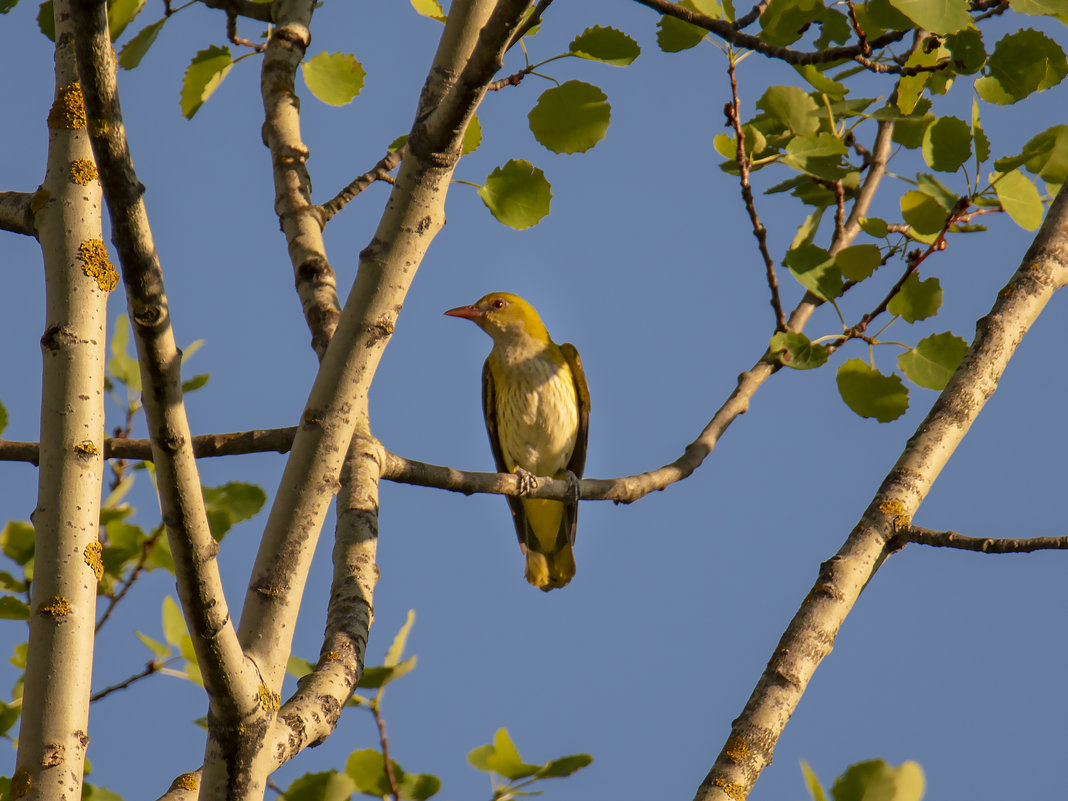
[573, 488]
[528, 482]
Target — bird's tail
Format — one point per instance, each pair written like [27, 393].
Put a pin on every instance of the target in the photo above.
[552, 570]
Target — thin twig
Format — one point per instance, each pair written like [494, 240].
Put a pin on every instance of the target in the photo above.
[231, 33]
[146, 549]
[150, 668]
[759, 231]
[394, 789]
[994, 545]
[531, 21]
[380, 172]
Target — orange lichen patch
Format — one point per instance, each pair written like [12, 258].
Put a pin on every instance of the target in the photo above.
[39, 199]
[186, 781]
[21, 783]
[56, 606]
[82, 171]
[68, 109]
[736, 749]
[731, 789]
[87, 448]
[98, 128]
[312, 416]
[269, 700]
[97, 265]
[330, 656]
[92, 558]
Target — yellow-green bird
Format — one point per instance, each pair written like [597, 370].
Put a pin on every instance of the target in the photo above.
[537, 410]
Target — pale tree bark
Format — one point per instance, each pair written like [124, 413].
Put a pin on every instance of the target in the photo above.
[65, 213]
[810, 636]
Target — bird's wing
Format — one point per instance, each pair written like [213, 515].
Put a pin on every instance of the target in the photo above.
[489, 411]
[577, 463]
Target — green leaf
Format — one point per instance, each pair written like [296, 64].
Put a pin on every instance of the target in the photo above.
[815, 789]
[1023, 62]
[9, 583]
[869, 393]
[429, 8]
[821, 83]
[367, 769]
[1046, 155]
[877, 780]
[917, 300]
[606, 45]
[929, 185]
[334, 78]
[231, 503]
[564, 766]
[505, 759]
[947, 144]
[206, 71]
[418, 786]
[814, 268]
[1020, 199]
[160, 556]
[329, 785]
[477, 757]
[859, 261]
[792, 107]
[91, 792]
[807, 231]
[134, 50]
[159, 650]
[673, 35]
[910, 87]
[796, 350]
[396, 648]
[195, 383]
[909, 132]
[16, 541]
[936, 16]
[785, 21]
[9, 716]
[46, 19]
[1041, 7]
[121, 366]
[3, 418]
[931, 363]
[375, 677]
[873, 226]
[517, 194]
[5, 7]
[120, 14]
[570, 118]
[967, 50]
[174, 630]
[817, 154]
[923, 212]
[11, 608]
[472, 137]
[298, 668]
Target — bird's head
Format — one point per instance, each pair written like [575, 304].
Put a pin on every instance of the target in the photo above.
[506, 317]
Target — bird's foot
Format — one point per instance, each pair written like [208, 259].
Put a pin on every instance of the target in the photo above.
[528, 482]
[573, 488]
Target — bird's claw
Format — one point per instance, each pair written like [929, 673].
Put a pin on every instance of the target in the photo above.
[528, 482]
[573, 488]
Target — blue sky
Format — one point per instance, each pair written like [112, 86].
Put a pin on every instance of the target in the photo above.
[647, 264]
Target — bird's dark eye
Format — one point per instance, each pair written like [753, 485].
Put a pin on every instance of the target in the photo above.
[499, 303]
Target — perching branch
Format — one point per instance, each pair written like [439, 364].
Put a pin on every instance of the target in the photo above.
[996, 545]
[243, 8]
[811, 634]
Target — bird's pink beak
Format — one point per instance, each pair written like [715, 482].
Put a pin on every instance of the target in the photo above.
[467, 312]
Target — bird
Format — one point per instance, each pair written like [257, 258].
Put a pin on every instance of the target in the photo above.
[537, 409]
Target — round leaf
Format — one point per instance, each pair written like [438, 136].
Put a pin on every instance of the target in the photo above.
[570, 118]
[1022, 62]
[931, 363]
[673, 35]
[334, 78]
[936, 16]
[203, 77]
[792, 107]
[517, 194]
[605, 44]
[876, 779]
[814, 268]
[1020, 199]
[923, 212]
[917, 300]
[869, 393]
[859, 261]
[796, 350]
[873, 226]
[472, 137]
[947, 144]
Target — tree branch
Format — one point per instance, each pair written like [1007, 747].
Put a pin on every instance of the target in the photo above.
[380, 172]
[16, 212]
[811, 634]
[995, 545]
[231, 680]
